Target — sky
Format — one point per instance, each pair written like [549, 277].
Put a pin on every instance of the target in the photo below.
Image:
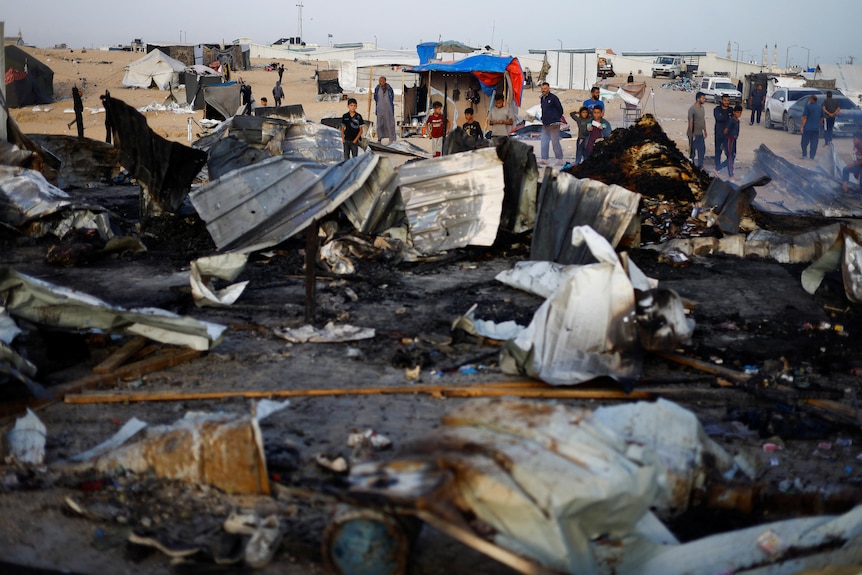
[806, 32]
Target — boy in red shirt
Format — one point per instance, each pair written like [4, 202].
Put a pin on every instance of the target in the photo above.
[436, 123]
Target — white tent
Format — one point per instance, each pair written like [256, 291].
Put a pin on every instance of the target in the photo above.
[155, 69]
[360, 74]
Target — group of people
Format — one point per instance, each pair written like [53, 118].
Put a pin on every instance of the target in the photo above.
[590, 120]
[592, 127]
[725, 134]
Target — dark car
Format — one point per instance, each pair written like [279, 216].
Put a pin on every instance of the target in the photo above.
[849, 119]
[534, 132]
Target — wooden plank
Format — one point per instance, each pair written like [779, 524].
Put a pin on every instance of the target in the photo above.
[531, 391]
[120, 356]
[704, 366]
[167, 358]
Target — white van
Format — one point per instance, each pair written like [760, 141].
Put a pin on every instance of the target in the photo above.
[717, 86]
[666, 66]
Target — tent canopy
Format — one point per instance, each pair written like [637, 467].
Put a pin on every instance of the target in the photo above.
[30, 87]
[489, 70]
[429, 50]
[155, 69]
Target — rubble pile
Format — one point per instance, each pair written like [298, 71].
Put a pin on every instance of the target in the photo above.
[641, 158]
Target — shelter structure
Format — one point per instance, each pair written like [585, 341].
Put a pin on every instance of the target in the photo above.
[470, 82]
[195, 78]
[28, 81]
[155, 70]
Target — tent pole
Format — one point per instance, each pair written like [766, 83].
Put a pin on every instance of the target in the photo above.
[370, 94]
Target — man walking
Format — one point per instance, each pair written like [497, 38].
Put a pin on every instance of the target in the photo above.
[812, 118]
[722, 114]
[552, 113]
[697, 130]
[756, 102]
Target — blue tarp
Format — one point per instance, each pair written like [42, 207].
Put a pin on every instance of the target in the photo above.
[488, 69]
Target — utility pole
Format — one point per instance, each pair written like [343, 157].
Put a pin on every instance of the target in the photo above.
[299, 23]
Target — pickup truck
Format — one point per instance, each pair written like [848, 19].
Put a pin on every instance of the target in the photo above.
[717, 86]
[666, 66]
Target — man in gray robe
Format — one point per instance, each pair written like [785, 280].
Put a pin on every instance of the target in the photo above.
[384, 98]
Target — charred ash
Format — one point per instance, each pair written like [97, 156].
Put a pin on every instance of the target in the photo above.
[643, 159]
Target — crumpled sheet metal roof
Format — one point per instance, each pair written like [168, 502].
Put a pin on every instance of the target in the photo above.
[566, 202]
[26, 195]
[795, 190]
[268, 202]
[453, 201]
[53, 306]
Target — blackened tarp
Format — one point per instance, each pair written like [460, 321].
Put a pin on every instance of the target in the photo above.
[195, 88]
[166, 169]
[35, 86]
[221, 100]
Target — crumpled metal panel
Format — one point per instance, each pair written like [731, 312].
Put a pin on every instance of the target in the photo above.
[798, 191]
[26, 195]
[566, 202]
[313, 142]
[453, 201]
[266, 203]
[164, 169]
[84, 160]
[53, 306]
[377, 205]
[586, 329]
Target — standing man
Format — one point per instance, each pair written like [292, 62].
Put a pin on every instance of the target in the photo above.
[280, 72]
[594, 99]
[277, 93]
[697, 130]
[384, 98]
[830, 111]
[247, 100]
[756, 101]
[812, 118]
[552, 114]
[722, 114]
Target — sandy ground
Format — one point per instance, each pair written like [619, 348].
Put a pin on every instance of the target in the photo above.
[749, 311]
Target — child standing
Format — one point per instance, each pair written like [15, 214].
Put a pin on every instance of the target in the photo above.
[472, 128]
[351, 129]
[598, 129]
[731, 134]
[438, 125]
[582, 119]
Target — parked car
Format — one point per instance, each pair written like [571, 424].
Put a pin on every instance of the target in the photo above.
[781, 100]
[534, 132]
[849, 120]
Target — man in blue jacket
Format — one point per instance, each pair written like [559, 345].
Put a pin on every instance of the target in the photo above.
[812, 117]
[722, 114]
[552, 114]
